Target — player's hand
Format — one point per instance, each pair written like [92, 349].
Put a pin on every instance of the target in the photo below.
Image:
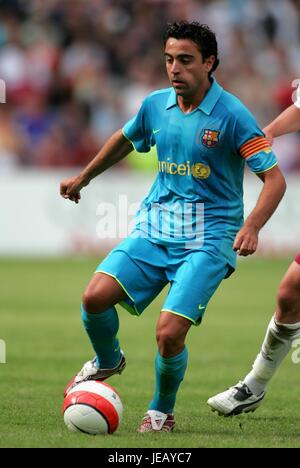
[268, 135]
[246, 241]
[70, 188]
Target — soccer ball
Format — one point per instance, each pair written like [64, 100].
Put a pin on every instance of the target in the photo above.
[92, 407]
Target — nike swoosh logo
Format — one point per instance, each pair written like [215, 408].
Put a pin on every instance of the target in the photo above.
[200, 307]
[156, 131]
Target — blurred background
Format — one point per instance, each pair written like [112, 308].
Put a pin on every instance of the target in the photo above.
[76, 71]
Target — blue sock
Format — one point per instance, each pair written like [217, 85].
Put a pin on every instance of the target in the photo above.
[169, 374]
[102, 329]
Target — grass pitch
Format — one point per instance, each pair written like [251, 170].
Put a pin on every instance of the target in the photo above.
[46, 345]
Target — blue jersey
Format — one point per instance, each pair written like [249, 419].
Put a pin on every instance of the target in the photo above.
[197, 195]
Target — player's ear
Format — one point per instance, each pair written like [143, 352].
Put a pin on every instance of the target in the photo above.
[209, 63]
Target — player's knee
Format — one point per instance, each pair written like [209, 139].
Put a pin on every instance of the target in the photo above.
[94, 300]
[167, 342]
[287, 298]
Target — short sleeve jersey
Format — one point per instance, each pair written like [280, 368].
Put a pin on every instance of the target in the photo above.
[201, 159]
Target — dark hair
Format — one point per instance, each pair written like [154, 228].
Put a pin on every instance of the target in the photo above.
[201, 34]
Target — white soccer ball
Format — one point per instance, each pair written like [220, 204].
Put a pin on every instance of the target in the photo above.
[92, 407]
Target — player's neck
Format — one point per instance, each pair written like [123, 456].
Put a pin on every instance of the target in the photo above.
[189, 103]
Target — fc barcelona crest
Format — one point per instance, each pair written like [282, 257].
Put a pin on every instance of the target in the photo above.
[210, 138]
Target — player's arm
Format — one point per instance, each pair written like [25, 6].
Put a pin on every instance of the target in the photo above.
[274, 187]
[116, 148]
[288, 121]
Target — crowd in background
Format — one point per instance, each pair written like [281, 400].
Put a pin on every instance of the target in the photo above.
[77, 70]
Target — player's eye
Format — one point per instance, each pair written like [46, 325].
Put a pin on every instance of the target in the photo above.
[186, 60]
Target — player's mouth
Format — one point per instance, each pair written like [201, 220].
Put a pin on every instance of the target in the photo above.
[178, 83]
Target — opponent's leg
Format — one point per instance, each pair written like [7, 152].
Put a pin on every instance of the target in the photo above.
[283, 328]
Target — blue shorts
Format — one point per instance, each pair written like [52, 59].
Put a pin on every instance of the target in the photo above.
[143, 269]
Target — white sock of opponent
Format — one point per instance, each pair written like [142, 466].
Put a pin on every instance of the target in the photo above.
[275, 347]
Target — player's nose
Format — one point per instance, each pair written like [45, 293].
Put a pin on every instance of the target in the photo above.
[175, 68]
